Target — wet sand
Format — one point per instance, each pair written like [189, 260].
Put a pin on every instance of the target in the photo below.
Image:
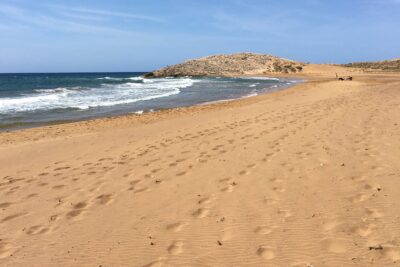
[308, 176]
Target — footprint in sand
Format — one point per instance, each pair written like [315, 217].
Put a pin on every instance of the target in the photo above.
[278, 189]
[139, 190]
[363, 230]
[104, 199]
[158, 263]
[334, 245]
[201, 213]
[392, 253]
[5, 249]
[359, 198]
[77, 210]
[243, 172]
[374, 187]
[230, 184]
[228, 189]
[57, 187]
[270, 201]
[205, 200]
[226, 234]
[266, 252]
[5, 205]
[13, 216]
[328, 226]
[373, 213]
[285, 213]
[264, 230]
[37, 230]
[175, 227]
[175, 248]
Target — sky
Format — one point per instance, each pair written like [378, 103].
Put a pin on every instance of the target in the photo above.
[130, 35]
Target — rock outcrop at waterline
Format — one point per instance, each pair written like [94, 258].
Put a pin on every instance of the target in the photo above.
[230, 65]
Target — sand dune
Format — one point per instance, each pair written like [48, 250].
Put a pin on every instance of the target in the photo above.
[308, 176]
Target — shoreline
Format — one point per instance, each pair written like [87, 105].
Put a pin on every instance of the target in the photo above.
[10, 127]
[27, 126]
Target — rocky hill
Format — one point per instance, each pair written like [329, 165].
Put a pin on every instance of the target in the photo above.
[230, 65]
[386, 65]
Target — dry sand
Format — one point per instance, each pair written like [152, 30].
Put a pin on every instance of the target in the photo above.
[308, 176]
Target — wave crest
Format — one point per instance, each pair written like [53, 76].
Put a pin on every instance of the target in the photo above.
[105, 95]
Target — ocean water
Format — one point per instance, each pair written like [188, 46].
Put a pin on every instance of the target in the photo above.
[28, 100]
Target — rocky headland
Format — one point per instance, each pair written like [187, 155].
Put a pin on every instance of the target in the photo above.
[230, 65]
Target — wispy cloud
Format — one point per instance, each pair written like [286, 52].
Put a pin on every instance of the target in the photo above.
[70, 22]
[84, 11]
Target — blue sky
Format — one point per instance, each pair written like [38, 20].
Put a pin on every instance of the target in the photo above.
[129, 35]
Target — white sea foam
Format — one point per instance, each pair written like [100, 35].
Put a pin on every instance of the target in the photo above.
[85, 98]
[121, 79]
[260, 78]
[55, 90]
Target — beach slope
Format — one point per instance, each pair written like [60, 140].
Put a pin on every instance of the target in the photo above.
[308, 176]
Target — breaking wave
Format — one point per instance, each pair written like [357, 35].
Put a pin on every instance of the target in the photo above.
[137, 89]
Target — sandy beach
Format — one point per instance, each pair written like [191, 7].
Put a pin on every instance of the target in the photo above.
[307, 176]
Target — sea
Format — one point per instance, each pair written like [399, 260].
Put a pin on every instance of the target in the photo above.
[30, 100]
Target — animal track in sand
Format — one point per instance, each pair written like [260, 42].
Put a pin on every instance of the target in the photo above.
[201, 213]
[266, 253]
[175, 227]
[175, 248]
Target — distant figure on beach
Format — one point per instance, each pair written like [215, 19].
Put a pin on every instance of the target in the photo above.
[348, 78]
